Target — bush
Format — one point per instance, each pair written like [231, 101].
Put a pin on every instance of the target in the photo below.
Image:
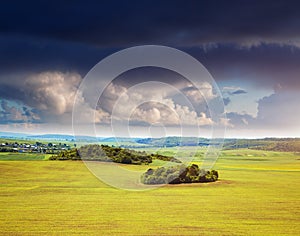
[179, 174]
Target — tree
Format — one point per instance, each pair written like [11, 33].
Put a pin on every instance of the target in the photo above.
[178, 174]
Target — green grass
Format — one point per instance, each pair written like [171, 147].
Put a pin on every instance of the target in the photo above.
[258, 194]
[11, 156]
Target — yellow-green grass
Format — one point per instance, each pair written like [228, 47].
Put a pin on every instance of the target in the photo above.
[253, 197]
[12, 156]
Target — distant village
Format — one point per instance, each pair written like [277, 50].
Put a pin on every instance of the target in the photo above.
[38, 147]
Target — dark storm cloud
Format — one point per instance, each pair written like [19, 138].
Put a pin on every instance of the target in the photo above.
[256, 42]
[181, 23]
[13, 114]
[134, 76]
[226, 101]
[37, 36]
[266, 65]
[27, 54]
[12, 92]
[239, 91]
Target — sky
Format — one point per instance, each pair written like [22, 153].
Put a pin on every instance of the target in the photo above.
[250, 48]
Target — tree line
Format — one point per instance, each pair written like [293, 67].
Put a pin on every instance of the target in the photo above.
[105, 153]
[96, 152]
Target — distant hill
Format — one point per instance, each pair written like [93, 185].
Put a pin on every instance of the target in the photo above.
[64, 137]
[272, 144]
[118, 139]
[57, 137]
[267, 144]
[52, 136]
[288, 145]
[12, 135]
[174, 141]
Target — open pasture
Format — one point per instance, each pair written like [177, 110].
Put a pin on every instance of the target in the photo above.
[258, 194]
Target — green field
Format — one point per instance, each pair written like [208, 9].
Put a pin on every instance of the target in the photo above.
[258, 194]
[11, 156]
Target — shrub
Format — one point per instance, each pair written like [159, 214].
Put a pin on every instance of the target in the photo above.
[179, 174]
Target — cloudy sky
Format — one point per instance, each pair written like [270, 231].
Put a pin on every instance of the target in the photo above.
[251, 49]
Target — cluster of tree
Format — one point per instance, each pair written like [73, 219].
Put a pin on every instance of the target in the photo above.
[282, 146]
[266, 144]
[179, 174]
[66, 155]
[115, 154]
[164, 158]
[6, 149]
[95, 152]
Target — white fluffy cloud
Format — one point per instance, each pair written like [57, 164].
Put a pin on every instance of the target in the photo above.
[226, 122]
[53, 92]
[143, 105]
[233, 90]
[280, 109]
[205, 92]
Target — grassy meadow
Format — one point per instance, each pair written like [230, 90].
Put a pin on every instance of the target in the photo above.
[12, 156]
[257, 194]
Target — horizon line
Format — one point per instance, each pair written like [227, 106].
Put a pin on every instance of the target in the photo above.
[143, 137]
